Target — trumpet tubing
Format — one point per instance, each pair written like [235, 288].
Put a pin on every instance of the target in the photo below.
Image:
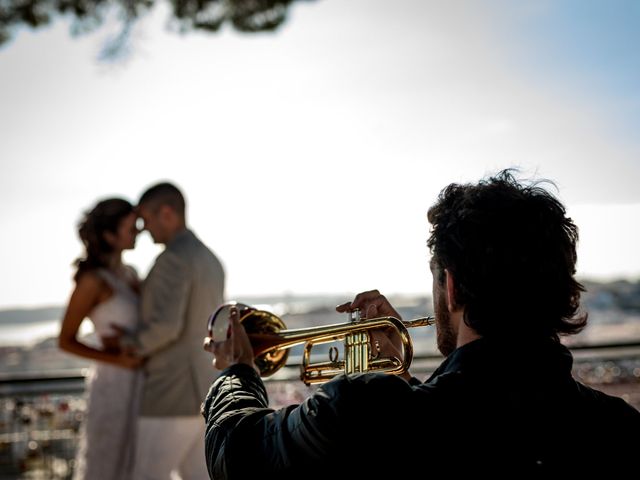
[271, 342]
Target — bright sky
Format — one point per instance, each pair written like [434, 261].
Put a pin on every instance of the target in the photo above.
[309, 157]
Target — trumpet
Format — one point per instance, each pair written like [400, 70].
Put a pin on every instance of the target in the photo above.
[271, 342]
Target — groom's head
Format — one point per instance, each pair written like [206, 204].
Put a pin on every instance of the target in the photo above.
[162, 209]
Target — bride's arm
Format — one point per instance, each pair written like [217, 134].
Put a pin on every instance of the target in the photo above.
[86, 295]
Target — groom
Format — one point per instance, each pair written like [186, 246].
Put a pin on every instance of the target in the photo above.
[183, 288]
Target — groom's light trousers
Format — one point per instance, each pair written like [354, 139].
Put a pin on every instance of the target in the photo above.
[170, 448]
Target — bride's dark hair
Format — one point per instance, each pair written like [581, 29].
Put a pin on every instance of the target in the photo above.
[104, 217]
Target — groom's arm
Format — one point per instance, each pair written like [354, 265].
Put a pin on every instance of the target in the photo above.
[165, 298]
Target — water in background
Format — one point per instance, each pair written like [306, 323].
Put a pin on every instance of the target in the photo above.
[29, 334]
[28, 337]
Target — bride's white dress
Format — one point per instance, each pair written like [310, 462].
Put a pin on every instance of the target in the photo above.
[107, 439]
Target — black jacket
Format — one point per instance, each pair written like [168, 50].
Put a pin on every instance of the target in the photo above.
[508, 412]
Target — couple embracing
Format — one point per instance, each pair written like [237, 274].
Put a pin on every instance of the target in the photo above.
[150, 373]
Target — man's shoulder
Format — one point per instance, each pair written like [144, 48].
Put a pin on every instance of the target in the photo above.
[188, 243]
[376, 387]
[609, 407]
[170, 257]
[189, 253]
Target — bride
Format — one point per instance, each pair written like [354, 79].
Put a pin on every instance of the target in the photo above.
[107, 292]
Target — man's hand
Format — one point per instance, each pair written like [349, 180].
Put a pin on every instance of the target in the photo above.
[111, 343]
[127, 359]
[385, 342]
[371, 304]
[233, 350]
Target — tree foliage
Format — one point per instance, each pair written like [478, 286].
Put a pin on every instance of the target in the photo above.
[187, 15]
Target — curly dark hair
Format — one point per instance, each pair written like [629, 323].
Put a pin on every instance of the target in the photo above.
[104, 217]
[512, 252]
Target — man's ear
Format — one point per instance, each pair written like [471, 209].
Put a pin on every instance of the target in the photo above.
[166, 213]
[451, 291]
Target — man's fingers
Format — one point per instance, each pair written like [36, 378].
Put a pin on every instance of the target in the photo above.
[234, 319]
[344, 307]
[364, 297]
[371, 311]
[117, 328]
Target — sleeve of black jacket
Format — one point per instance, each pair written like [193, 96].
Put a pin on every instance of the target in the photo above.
[245, 438]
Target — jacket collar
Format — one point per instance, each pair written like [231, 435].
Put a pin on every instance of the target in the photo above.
[543, 357]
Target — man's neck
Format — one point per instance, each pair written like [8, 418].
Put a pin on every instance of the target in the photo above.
[465, 334]
[174, 233]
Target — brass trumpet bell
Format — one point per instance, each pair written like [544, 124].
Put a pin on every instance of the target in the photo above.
[261, 326]
[271, 342]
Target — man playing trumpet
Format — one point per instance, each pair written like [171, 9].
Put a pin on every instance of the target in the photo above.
[503, 402]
